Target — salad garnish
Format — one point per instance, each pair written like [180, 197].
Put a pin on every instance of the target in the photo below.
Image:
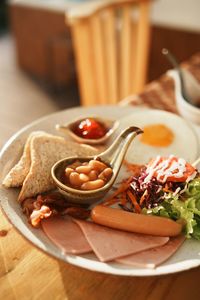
[167, 187]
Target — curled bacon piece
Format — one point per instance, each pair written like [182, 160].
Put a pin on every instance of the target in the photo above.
[38, 214]
[48, 205]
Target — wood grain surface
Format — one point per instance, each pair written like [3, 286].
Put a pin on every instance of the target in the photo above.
[27, 273]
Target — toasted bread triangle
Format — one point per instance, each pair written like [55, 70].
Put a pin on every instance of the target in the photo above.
[45, 151]
[18, 173]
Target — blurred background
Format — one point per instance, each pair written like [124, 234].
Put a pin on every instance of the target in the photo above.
[37, 58]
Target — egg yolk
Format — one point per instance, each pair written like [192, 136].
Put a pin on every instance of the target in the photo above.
[157, 135]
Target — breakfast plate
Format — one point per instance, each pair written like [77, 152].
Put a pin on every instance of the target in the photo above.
[185, 144]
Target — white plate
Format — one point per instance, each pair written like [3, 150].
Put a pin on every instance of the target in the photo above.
[187, 256]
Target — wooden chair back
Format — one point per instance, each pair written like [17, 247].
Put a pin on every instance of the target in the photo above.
[111, 45]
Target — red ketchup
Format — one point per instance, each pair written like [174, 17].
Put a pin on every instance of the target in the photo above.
[90, 129]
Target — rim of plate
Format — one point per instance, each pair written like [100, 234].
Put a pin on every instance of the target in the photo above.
[86, 262]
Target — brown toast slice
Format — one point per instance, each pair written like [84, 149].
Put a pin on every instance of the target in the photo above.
[45, 151]
[18, 173]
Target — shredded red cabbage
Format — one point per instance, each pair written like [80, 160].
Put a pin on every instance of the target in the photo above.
[152, 191]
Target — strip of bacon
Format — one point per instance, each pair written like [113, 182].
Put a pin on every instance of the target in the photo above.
[38, 214]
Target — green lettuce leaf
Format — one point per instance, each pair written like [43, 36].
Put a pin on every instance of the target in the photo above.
[185, 207]
[193, 188]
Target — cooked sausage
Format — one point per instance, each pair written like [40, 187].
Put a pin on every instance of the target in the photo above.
[139, 223]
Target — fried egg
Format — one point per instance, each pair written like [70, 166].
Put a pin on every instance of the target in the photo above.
[184, 143]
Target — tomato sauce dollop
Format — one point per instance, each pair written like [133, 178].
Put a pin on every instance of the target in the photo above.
[90, 129]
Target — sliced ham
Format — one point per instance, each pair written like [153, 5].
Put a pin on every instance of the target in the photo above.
[109, 244]
[66, 234]
[153, 257]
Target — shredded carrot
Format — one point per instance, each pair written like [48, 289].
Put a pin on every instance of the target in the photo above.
[110, 202]
[120, 196]
[123, 198]
[143, 197]
[166, 188]
[123, 187]
[129, 180]
[134, 201]
[123, 195]
[123, 201]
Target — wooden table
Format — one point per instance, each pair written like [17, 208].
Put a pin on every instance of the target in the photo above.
[27, 273]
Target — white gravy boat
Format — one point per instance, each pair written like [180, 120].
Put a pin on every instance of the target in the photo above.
[189, 110]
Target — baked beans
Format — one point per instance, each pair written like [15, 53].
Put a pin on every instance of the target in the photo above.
[90, 175]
